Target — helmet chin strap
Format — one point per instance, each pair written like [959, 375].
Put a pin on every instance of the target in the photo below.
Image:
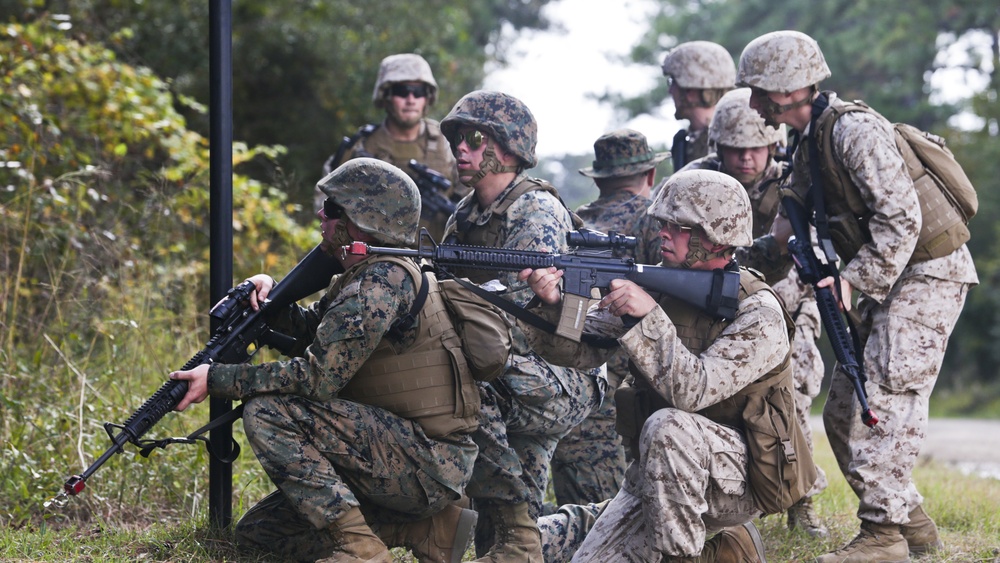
[698, 253]
[773, 108]
[489, 165]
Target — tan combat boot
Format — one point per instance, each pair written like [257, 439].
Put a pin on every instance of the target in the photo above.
[921, 534]
[441, 538]
[355, 541]
[876, 543]
[802, 516]
[517, 535]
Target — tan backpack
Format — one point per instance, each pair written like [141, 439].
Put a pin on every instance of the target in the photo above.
[947, 198]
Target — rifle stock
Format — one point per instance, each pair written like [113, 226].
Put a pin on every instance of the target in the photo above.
[811, 272]
[242, 331]
[432, 185]
[592, 265]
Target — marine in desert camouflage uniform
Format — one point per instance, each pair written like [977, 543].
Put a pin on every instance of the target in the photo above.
[745, 148]
[589, 463]
[908, 305]
[533, 403]
[690, 479]
[356, 471]
[699, 73]
[405, 89]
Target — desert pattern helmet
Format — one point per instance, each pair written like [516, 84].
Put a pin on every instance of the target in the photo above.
[378, 197]
[736, 124]
[505, 118]
[713, 201]
[404, 67]
[782, 61]
[700, 65]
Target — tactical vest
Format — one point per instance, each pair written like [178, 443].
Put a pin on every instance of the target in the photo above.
[942, 229]
[428, 382]
[780, 469]
[491, 234]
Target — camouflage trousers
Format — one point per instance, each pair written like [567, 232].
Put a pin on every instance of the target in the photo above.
[564, 530]
[328, 456]
[519, 430]
[904, 340]
[807, 369]
[589, 463]
[690, 481]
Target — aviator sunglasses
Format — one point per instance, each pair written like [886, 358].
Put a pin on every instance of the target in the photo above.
[404, 90]
[474, 139]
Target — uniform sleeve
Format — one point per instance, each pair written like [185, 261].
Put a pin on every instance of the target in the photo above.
[538, 222]
[866, 146]
[350, 328]
[754, 343]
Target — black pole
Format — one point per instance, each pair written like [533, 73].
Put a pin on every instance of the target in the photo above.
[220, 474]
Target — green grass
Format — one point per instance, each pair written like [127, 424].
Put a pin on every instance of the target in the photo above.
[965, 509]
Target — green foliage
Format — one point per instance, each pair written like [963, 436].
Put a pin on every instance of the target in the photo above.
[303, 72]
[104, 203]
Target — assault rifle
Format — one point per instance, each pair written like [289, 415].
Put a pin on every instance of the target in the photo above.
[596, 259]
[242, 331]
[811, 271]
[432, 185]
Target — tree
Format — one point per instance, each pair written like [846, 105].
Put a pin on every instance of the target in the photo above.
[303, 71]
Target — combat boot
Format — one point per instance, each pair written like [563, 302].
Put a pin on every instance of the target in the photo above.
[517, 536]
[441, 538]
[921, 534]
[875, 543]
[736, 544]
[802, 516]
[354, 541]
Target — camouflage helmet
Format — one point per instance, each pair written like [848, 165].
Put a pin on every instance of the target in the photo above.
[378, 197]
[782, 61]
[405, 67]
[736, 124]
[700, 65]
[713, 201]
[503, 117]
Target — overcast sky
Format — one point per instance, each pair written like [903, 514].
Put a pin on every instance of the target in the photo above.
[554, 71]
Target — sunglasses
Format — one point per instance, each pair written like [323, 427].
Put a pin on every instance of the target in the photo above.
[673, 228]
[404, 90]
[474, 139]
[331, 210]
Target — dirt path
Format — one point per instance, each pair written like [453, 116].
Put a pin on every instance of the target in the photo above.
[971, 445]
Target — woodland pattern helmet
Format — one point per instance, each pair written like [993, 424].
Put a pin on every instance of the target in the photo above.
[714, 201]
[404, 67]
[503, 117]
[623, 152]
[735, 124]
[700, 65]
[378, 197]
[782, 61]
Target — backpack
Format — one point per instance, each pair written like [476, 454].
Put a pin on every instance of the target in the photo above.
[483, 328]
[947, 198]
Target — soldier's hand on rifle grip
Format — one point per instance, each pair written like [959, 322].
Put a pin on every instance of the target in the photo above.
[197, 379]
[844, 299]
[627, 298]
[544, 282]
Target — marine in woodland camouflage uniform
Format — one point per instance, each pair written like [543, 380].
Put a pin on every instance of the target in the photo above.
[339, 455]
[589, 462]
[745, 148]
[690, 479]
[908, 305]
[534, 403]
[405, 88]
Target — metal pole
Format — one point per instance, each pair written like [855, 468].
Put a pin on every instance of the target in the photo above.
[220, 474]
